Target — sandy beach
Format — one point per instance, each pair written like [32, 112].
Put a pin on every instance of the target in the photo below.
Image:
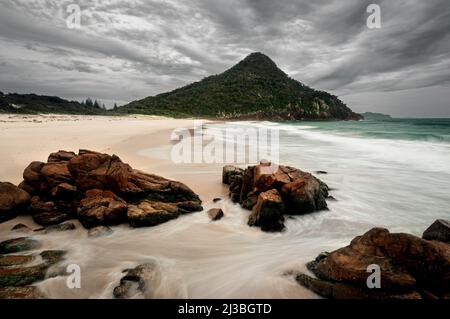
[27, 138]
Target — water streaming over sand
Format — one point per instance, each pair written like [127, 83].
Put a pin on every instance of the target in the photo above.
[399, 183]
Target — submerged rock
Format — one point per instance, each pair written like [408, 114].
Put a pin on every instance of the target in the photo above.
[138, 282]
[21, 275]
[18, 244]
[21, 228]
[300, 192]
[439, 230]
[409, 267]
[56, 228]
[215, 214]
[27, 292]
[99, 231]
[14, 260]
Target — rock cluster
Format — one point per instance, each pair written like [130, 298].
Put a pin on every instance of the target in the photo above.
[410, 267]
[271, 191]
[19, 271]
[98, 189]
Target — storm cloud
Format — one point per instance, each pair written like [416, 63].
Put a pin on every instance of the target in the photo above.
[126, 50]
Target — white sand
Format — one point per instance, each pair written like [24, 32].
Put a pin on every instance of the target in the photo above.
[27, 138]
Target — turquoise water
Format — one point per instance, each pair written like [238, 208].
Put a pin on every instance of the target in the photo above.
[433, 130]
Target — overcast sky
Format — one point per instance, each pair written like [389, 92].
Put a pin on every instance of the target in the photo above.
[130, 49]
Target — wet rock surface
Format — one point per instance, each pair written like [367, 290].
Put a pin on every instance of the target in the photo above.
[18, 245]
[138, 282]
[300, 192]
[439, 230]
[215, 214]
[410, 267]
[99, 231]
[18, 272]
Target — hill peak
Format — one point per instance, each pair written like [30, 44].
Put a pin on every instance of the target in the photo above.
[259, 64]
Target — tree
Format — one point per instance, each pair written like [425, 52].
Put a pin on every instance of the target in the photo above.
[89, 102]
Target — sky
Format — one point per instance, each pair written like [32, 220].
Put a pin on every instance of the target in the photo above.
[125, 50]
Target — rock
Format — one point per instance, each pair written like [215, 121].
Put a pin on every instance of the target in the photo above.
[52, 257]
[268, 212]
[59, 227]
[18, 244]
[54, 174]
[102, 208]
[215, 214]
[23, 276]
[13, 201]
[150, 213]
[21, 228]
[138, 282]
[99, 231]
[300, 191]
[229, 171]
[439, 230]
[48, 213]
[321, 172]
[338, 290]
[32, 174]
[64, 191]
[303, 195]
[92, 170]
[95, 188]
[60, 156]
[14, 260]
[27, 292]
[408, 265]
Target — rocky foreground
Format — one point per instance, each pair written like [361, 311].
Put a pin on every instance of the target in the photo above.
[271, 191]
[410, 267]
[98, 189]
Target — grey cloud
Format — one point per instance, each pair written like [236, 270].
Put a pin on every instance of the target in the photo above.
[131, 49]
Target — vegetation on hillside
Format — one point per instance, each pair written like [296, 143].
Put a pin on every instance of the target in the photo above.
[255, 88]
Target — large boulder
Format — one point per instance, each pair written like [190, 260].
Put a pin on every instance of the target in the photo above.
[13, 200]
[408, 265]
[102, 208]
[439, 230]
[268, 212]
[300, 192]
[92, 170]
